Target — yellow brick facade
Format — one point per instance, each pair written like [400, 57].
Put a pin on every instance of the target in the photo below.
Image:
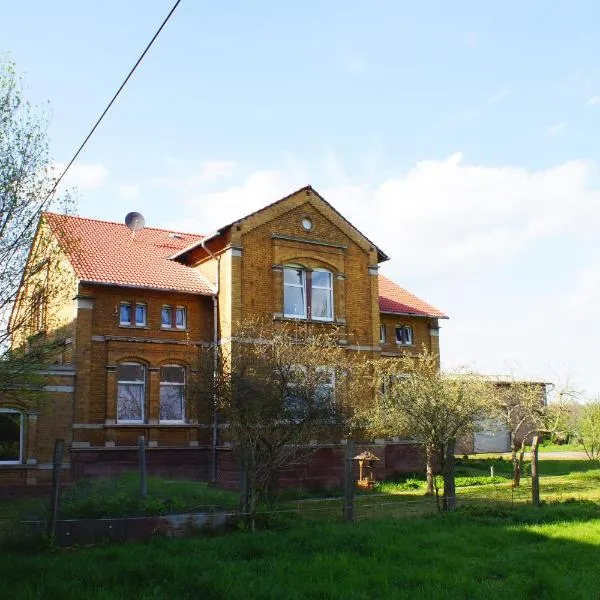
[248, 259]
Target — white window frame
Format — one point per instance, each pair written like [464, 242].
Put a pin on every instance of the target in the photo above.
[320, 287]
[382, 333]
[405, 329]
[184, 311]
[331, 385]
[320, 369]
[14, 411]
[173, 317]
[307, 293]
[121, 322]
[172, 384]
[138, 383]
[170, 325]
[295, 285]
[144, 306]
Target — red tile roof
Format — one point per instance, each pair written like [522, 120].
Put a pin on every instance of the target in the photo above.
[109, 253]
[395, 299]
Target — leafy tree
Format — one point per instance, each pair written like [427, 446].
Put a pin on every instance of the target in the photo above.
[548, 419]
[278, 390]
[26, 183]
[588, 428]
[518, 404]
[417, 400]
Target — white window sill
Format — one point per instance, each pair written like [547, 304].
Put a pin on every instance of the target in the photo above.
[280, 317]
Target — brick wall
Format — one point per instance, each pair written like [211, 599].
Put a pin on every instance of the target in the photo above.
[251, 254]
[46, 416]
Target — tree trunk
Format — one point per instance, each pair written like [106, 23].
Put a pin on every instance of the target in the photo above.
[429, 454]
[244, 491]
[449, 497]
[515, 462]
[535, 478]
[253, 507]
[349, 482]
[521, 459]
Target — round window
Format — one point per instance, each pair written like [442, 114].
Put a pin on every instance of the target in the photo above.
[307, 223]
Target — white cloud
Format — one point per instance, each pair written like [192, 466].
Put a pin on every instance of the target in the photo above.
[594, 100]
[494, 246]
[554, 129]
[82, 176]
[213, 170]
[208, 210]
[209, 172]
[128, 191]
[500, 95]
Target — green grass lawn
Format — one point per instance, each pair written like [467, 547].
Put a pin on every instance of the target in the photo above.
[533, 553]
[495, 545]
[120, 497]
[547, 447]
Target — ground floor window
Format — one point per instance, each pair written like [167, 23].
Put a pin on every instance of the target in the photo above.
[11, 436]
[131, 392]
[172, 393]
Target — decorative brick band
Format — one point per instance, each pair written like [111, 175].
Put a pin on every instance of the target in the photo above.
[291, 238]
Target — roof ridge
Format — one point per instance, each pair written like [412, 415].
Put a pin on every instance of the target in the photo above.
[95, 220]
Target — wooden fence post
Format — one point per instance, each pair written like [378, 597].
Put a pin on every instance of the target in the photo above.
[535, 477]
[142, 462]
[59, 447]
[349, 482]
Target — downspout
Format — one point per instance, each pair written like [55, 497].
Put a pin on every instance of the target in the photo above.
[215, 414]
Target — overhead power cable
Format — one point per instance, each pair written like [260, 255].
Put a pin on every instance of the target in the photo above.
[135, 66]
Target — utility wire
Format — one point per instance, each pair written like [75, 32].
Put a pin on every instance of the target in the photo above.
[89, 135]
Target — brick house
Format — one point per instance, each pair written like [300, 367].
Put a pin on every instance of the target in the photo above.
[137, 306]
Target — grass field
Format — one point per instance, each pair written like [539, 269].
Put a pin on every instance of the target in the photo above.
[533, 553]
[495, 545]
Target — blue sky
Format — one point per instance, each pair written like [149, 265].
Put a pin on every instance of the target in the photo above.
[462, 137]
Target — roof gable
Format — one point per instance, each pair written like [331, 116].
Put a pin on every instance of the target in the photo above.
[109, 253]
[287, 203]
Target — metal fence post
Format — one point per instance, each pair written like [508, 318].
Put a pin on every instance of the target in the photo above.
[349, 482]
[142, 462]
[59, 447]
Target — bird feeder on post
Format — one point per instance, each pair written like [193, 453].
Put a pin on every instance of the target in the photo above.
[366, 464]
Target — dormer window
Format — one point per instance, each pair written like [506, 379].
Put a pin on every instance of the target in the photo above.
[307, 294]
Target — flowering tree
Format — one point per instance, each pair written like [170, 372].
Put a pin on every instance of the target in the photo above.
[26, 182]
[417, 400]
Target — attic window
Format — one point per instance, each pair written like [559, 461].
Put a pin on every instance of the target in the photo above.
[176, 236]
[307, 224]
